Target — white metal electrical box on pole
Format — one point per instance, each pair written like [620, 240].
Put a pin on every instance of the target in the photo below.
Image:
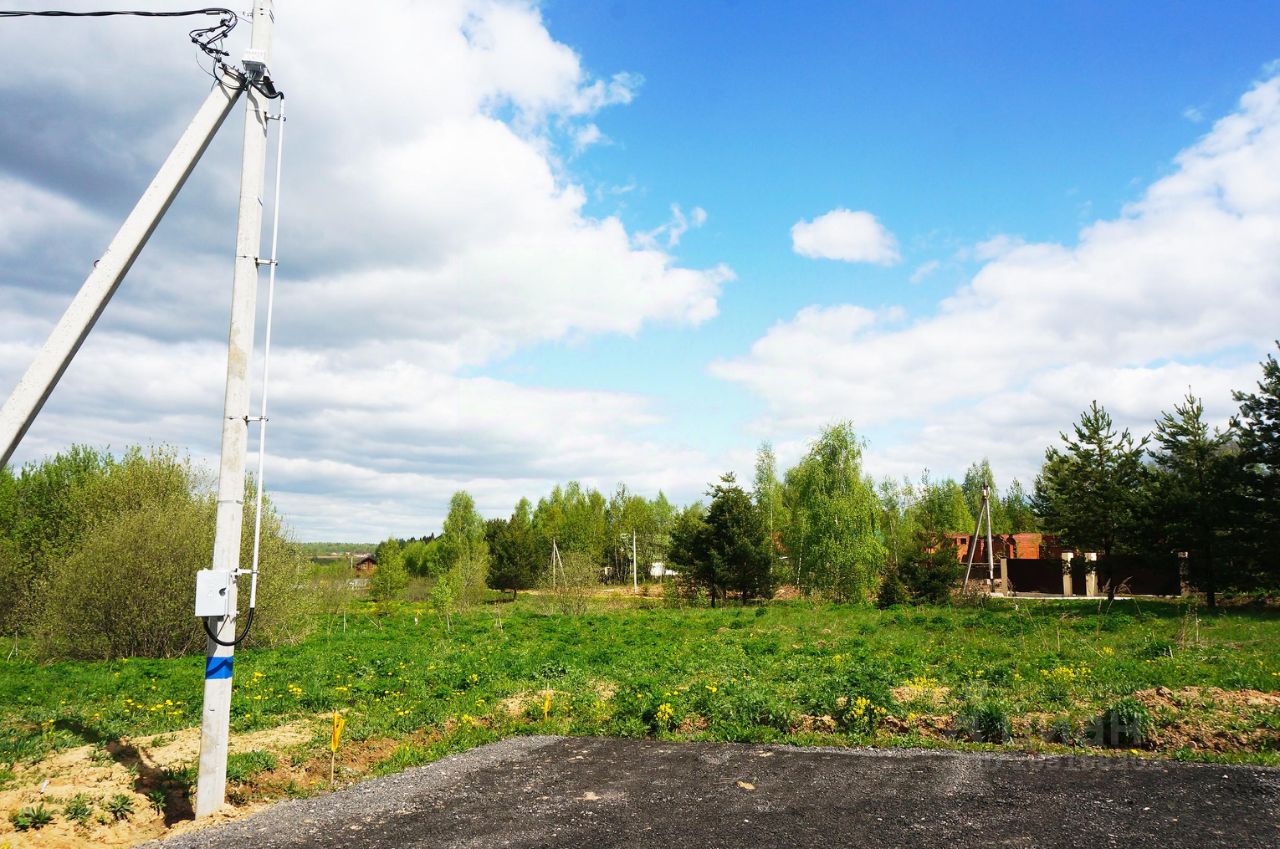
[220, 647]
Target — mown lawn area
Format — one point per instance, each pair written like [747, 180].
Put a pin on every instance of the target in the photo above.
[1041, 672]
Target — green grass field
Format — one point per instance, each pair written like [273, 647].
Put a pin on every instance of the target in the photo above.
[784, 671]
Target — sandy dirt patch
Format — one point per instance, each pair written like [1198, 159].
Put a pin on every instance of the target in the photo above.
[1210, 719]
[135, 769]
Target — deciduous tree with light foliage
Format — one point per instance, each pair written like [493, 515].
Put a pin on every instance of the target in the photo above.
[389, 578]
[833, 533]
[766, 492]
[464, 552]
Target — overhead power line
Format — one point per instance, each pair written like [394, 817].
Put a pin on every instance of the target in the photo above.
[208, 39]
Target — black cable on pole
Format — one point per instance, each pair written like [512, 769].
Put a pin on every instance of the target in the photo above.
[208, 39]
[248, 623]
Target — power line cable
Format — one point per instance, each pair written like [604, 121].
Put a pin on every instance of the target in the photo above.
[208, 39]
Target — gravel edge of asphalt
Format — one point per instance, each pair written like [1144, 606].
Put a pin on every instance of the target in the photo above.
[383, 794]
[375, 794]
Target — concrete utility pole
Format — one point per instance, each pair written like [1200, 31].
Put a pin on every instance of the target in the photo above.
[216, 715]
[69, 334]
[635, 568]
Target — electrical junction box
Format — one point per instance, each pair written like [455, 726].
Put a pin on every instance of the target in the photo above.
[255, 63]
[213, 592]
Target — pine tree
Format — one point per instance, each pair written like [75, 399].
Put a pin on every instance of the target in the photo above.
[1256, 429]
[688, 538]
[513, 554]
[735, 554]
[1192, 490]
[1090, 492]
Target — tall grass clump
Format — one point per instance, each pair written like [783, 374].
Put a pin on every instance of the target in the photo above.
[985, 719]
[1125, 723]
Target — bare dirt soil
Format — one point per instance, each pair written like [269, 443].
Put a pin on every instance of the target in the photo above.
[1209, 719]
[133, 768]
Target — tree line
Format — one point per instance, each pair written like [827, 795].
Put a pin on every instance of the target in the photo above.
[1187, 496]
[824, 526]
[515, 553]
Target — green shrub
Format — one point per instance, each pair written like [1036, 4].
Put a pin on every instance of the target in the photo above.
[181, 778]
[745, 707]
[1062, 730]
[1125, 724]
[575, 581]
[127, 588]
[42, 514]
[123, 593]
[1156, 648]
[332, 589]
[985, 720]
[859, 714]
[930, 575]
[390, 578]
[157, 799]
[892, 591]
[31, 818]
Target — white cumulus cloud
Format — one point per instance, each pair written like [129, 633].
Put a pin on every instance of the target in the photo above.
[1181, 290]
[430, 228]
[845, 235]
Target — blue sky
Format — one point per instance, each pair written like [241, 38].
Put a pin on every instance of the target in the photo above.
[485, 283]
[954, 125]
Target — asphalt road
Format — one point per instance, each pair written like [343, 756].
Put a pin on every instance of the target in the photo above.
[592, 792]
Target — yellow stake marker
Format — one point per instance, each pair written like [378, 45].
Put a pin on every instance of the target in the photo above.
[546, 705]
[339, 722]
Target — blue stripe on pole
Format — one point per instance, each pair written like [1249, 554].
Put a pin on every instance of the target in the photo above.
[218, 667]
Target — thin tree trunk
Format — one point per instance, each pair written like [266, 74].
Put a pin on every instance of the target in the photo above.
[1210, 578]
[1110, 573]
